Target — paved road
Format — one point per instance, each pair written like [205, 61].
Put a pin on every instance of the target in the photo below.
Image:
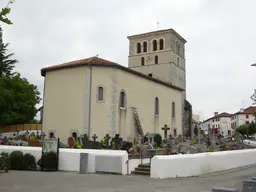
[73, 182]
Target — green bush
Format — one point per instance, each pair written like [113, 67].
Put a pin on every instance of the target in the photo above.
[158, 139]
[50, 161]
[211, 150]
[29, 162]
[193, 142]
[4, 162]
[16, 160]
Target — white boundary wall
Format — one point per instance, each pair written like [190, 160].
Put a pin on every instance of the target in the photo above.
[188, 165]
[69, 159]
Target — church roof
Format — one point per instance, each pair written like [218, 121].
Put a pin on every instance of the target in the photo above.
[157, 33]
[99, 62]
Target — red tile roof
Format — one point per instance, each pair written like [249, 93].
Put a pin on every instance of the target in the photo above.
[248, 110]
[224, 114]
[90, 60]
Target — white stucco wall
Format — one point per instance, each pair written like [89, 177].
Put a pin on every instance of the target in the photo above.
[69, 159]
[188, 165]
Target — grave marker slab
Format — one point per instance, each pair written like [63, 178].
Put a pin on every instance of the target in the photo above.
[249, 186]
[223, 189]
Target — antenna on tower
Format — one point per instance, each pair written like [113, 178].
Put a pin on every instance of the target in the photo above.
[157, 23]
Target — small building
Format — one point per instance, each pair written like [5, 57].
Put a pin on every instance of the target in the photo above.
[218, 124]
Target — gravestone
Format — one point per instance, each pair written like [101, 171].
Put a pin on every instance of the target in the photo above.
[5, 141]
[179, 138]
[223, 189]
[94, 137]
[117, 141]
[139, 139]
[91, 144]
[249, 186]
[165, 129]
[107, 137]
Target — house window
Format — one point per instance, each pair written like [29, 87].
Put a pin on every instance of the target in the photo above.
[122, 99]
[156, 59]
[156, 106]
[145, 46]
[142, 61]
[178, 61]
[100, 93]
[247, 116]
[138, 48]
[161, 42]
[150, 75]
[173, 110]
[154, 45]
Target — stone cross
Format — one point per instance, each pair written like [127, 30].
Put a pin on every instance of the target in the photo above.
[165, 129]
[107, 137]
[117, 141]
[94, 137]
[139, 138]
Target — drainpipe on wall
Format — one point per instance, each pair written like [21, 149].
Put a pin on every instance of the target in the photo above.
[90, 102]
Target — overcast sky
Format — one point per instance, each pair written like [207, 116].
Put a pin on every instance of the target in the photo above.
[220, 34]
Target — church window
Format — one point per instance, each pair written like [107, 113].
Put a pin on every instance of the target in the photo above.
[178, 61]
[100, 93]
[142, 60]
[173, 110]
[154, 45]
[156, 59]
[150, 75]
[156, 106]
[145, 46]
[122, 99]
[161, 42]
[138, 48]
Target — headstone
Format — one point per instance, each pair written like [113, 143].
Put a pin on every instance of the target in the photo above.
[139, 139]
[117, 141]
[165, 129]
[5, 141]
[222, 189]
[179, 138]
[107, 137]
[91, 145]
[94, 137]
[249, 186]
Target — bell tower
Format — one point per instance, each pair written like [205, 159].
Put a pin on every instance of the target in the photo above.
[159, 54]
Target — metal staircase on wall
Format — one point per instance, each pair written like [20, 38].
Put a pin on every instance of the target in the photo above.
[137, 121]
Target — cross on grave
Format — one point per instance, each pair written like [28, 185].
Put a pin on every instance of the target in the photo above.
[107, 137]
[165, 129]
[94, 137]
[117, 141]
[139, 138]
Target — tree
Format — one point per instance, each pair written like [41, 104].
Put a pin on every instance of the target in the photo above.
[4, 12]
[247, 129]
[17, 100]
[6, 63]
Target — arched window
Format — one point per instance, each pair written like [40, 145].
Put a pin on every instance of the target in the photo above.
[138, 48]
[156, 59]
[145, 46]
[154, 45]
[178, 61]
[150, 75]
[156, 106]
[173, 110]
[142, 61]
[100, 93]
[122, 99]
[161, 44]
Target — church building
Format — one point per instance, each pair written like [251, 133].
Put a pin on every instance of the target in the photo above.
[96, 97]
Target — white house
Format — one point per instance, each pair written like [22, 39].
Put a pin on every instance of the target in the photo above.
[244, 116]
[219, 123]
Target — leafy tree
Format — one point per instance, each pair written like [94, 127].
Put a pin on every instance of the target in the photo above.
[17, 100]
[247, 129]
[4, 12]
[6, 63]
